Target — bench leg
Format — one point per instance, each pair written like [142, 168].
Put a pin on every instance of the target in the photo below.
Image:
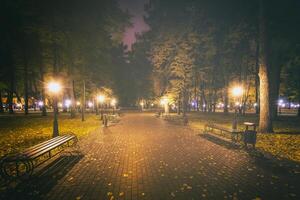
[17, 169]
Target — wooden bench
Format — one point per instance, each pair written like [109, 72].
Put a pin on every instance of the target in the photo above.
[224, 132]
[22, 165]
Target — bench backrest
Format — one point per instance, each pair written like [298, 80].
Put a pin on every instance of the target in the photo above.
[47, 146]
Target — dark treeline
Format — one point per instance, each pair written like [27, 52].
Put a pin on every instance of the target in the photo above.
[200, 49]
[70, 40]
[194, 52]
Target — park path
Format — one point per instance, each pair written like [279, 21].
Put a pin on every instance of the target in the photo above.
[144, 157]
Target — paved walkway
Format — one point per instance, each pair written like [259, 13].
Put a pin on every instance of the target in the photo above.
[144, 157]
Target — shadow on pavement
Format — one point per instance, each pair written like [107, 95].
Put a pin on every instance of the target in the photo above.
[44, 180]
[221, 142]
[273, 164]
[265, 161]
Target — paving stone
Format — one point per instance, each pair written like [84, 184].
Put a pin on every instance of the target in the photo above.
[144, 157]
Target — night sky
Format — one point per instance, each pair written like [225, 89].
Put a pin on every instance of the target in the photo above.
[136, 9]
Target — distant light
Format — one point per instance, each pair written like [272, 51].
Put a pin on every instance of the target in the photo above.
[54, 87]
[293, 105]
[113, 102]
[193, 103]
[152, 104]
[78, 103]
[142, 103]
[40, 103]
[164, 101]
[204, 105]
[280, 101]
[255, 104]
[237, 91]
[90, 104]
[220, 105]
[237, 103]
[68, 102]
[60, 105]
[101, 98]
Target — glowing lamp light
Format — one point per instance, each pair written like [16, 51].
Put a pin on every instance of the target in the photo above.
[113, 102]
[101, 98]
[68, 102]
[40, 103]
[78, 103]
[152, 104]
[90, 104]
[142, 103]
[237, 91]
[60, 105]
[54, 87]
[164, 101]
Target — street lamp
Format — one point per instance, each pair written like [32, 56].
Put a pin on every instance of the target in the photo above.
[113, 103]
[68, 103]
[165, 103]
[142, 105]
[54, 88]
[101, 99]
[237, 92]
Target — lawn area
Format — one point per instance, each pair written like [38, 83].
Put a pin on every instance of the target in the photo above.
[19, 132]
[284, 143]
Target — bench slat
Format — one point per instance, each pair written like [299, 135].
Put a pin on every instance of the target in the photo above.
[42, 144]
[45, 144]
[48, 146]
[234, 133]
[49, 149]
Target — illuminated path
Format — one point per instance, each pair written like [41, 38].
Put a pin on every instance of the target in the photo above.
[144, 157]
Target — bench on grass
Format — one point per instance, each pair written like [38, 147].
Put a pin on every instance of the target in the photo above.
[22, 165]
[223, 132]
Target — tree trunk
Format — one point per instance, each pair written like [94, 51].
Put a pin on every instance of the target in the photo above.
[11, 88]
[265, 121]
[299, 110]
[25, 82]
[274, 89]
[44, 110]
[73, 105]
[179, 105]
[83, 102]
[11, 92]
[257, 79]
[1, 103]
[184, 102]
[225, 93]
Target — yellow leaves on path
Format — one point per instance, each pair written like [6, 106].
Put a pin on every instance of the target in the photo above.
[20, 132]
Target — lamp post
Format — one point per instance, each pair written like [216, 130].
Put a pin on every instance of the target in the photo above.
[237, 92]
[165, 103]
[54, 88]
[101, 99]
[142, 105]
[113, 103]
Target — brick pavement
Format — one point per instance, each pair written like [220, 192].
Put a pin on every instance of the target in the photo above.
[144, 157]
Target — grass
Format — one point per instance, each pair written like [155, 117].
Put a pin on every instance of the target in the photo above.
[283, 144]
[20, 132]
